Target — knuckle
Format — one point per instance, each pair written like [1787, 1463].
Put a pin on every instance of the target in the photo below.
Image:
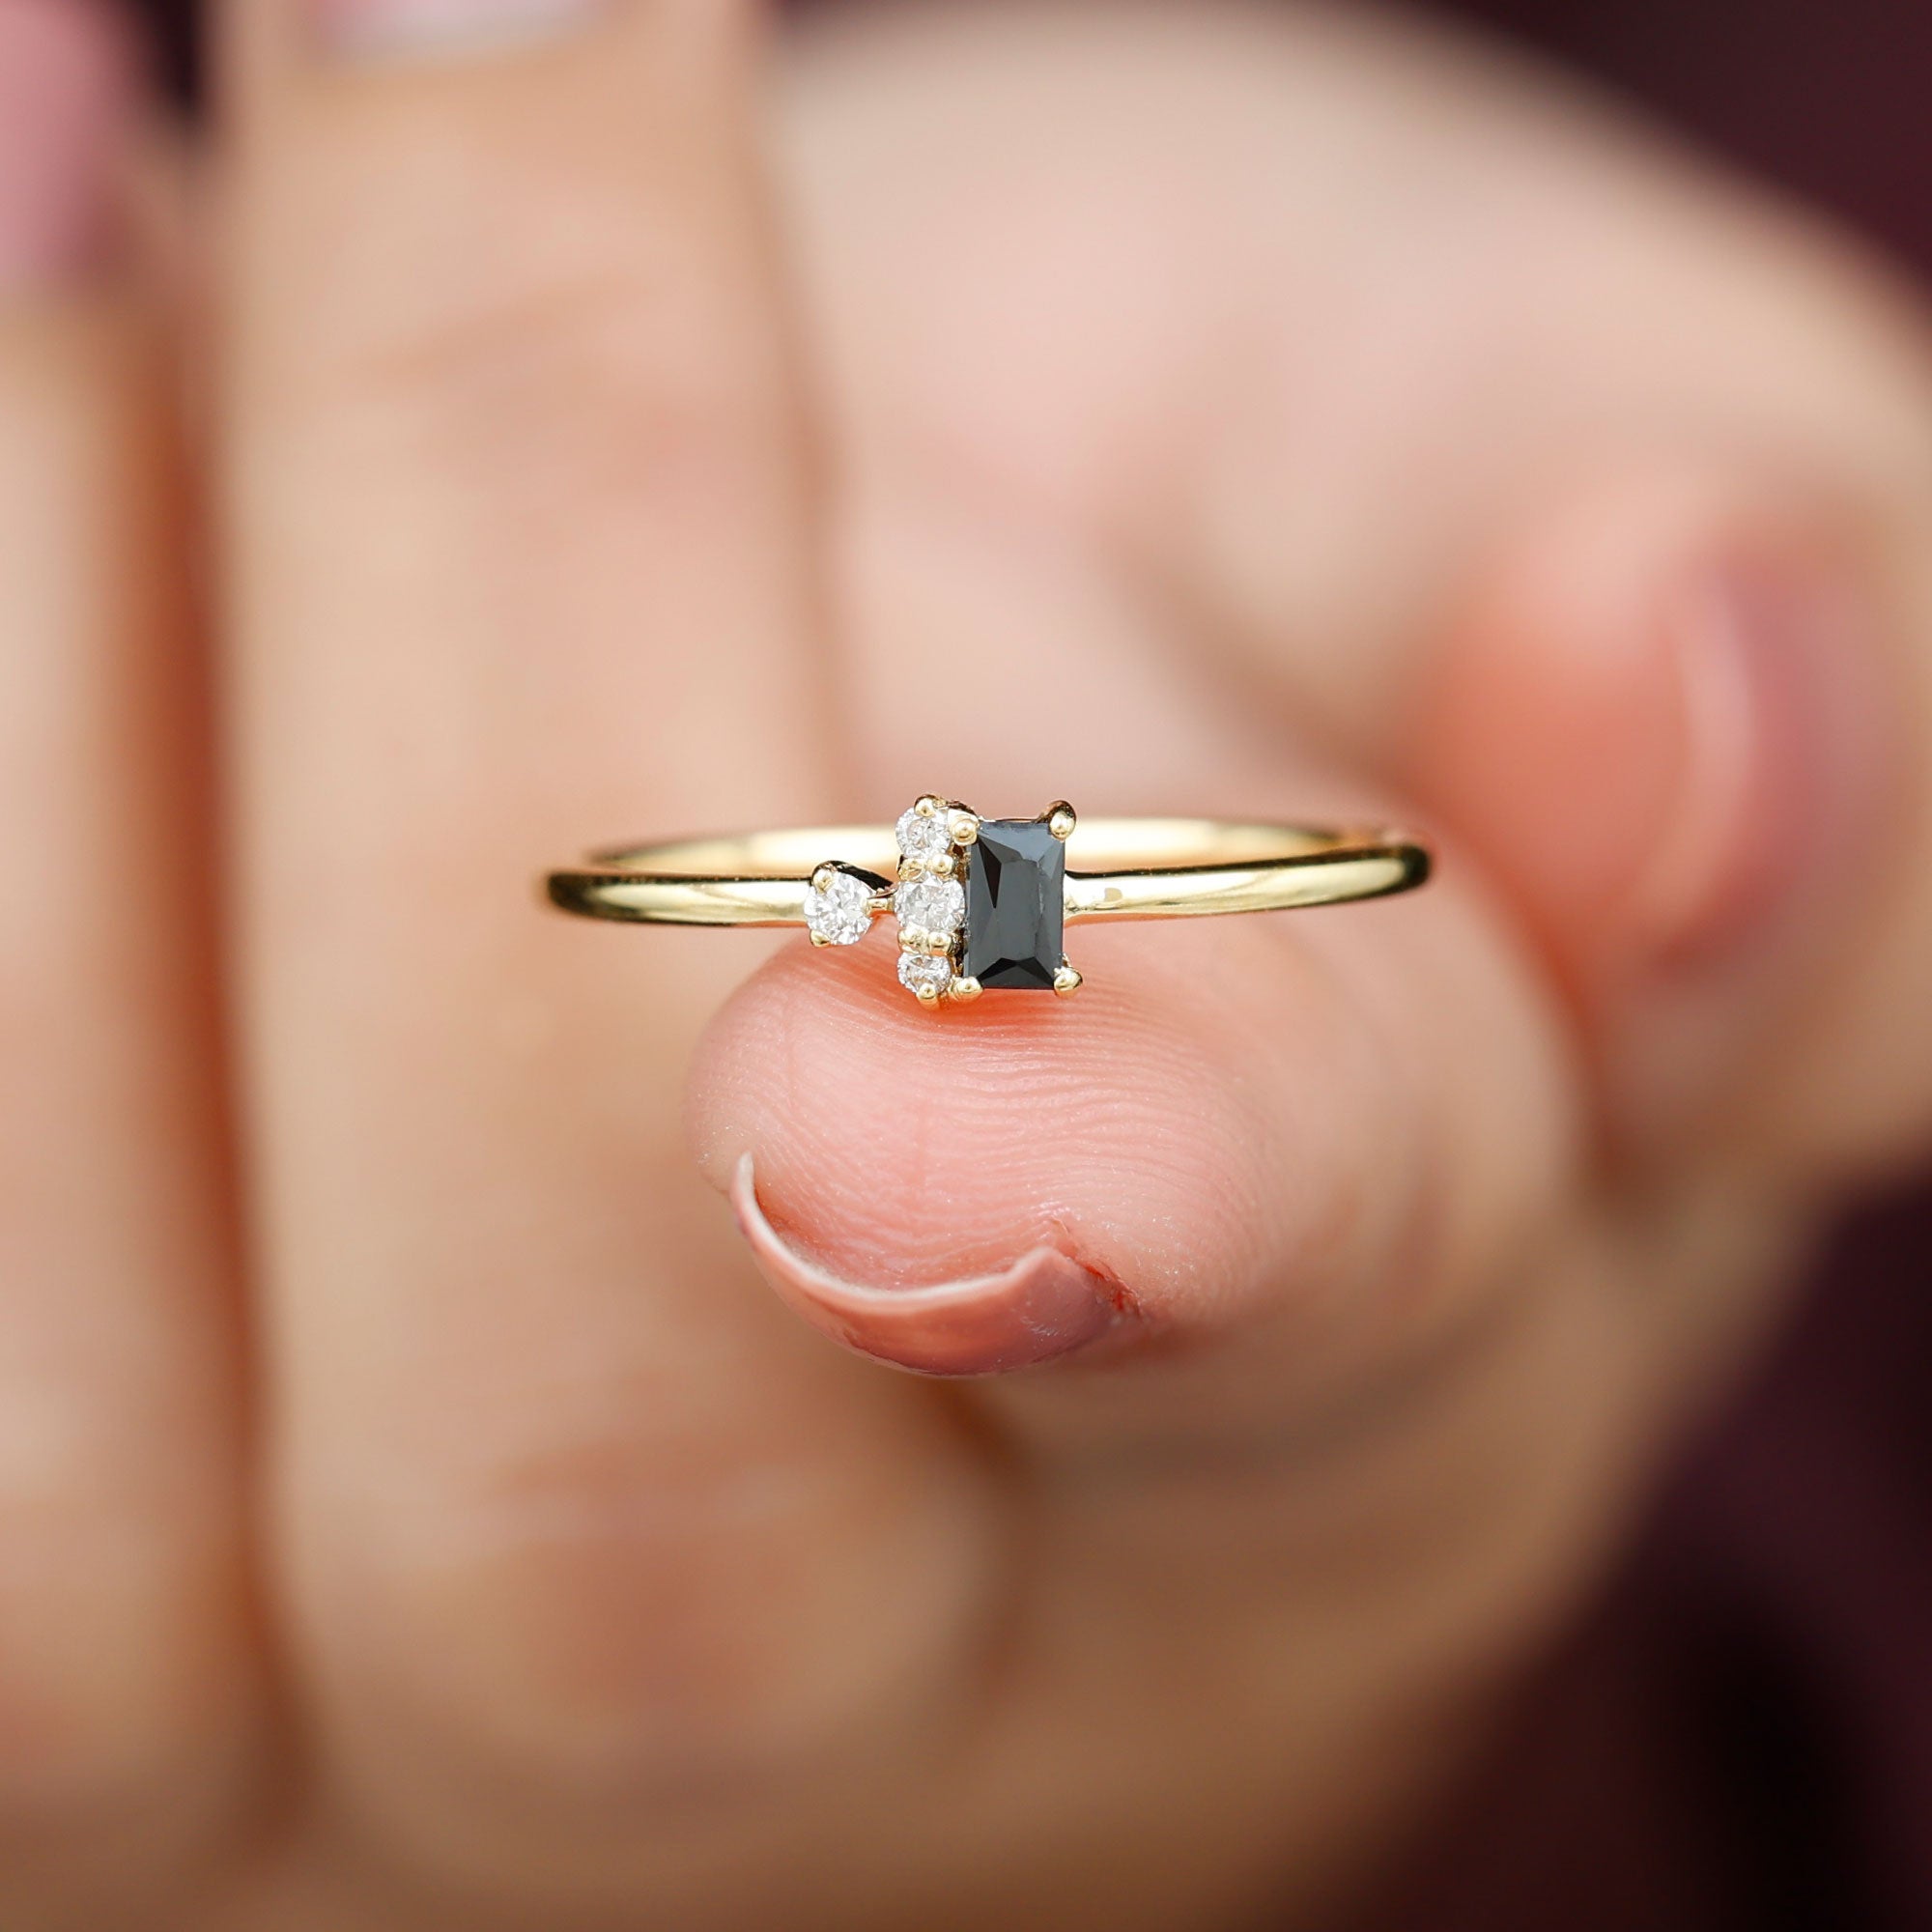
[581, 387]
[592, 1621]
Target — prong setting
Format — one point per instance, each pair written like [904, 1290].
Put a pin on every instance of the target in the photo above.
[841, 903]
[984, 890]
[924, 976]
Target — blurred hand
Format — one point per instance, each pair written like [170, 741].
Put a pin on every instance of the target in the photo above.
[414, 1511]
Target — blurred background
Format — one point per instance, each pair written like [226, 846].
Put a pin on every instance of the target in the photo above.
[1741, 1734]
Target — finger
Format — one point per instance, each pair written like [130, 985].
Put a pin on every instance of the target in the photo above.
[571, 1509]
[1577, 429]
[124, 1673]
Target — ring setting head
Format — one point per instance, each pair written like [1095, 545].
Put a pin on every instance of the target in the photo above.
[981, 902]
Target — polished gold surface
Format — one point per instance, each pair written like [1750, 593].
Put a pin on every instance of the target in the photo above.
[1116, 868]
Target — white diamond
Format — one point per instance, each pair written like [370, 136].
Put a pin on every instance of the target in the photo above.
[930, 905]
[839, 911]
[923, 838]
[925, 969]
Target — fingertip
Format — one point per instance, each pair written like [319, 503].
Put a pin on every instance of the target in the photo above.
[901, 1146]
[1656, 724]
[1644, 704]
[909, 1181]
[1180, 1149]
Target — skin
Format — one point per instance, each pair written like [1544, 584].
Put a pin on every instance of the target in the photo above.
[414, 1509]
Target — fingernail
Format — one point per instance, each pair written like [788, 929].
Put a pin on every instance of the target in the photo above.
[65, 89]
[1045, 1305]
[1783, 762]
[410, 29]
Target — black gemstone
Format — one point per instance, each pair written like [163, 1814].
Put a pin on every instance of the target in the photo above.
[1015, 903]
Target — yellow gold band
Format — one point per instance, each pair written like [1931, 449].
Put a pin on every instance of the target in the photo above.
[1116, 868]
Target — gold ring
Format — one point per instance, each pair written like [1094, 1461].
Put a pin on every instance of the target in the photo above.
[982, 902]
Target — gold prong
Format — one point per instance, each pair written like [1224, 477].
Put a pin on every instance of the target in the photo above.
[822, 877]
[941, 867]
[1066, 981]
[1060, 819]
[964, 989]
[937, 944]
[963, 826]
[819, 939]
[928, 996]
[929, 806]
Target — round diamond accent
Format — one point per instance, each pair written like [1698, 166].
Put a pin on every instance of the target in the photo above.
[922, 839]
[838, 907]
[920, 970]
[930, 905]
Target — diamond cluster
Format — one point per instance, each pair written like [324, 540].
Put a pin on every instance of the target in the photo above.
[980, 902]
[929, 899]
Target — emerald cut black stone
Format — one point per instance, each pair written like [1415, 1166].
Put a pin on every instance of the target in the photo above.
[1015, 903]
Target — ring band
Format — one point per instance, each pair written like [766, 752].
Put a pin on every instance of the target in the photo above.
[981, 902]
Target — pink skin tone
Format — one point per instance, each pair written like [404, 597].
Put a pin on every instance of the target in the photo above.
[1332, 1282]
[1725, 658]
[1689, 691]
[65, 92]
[383, 29]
